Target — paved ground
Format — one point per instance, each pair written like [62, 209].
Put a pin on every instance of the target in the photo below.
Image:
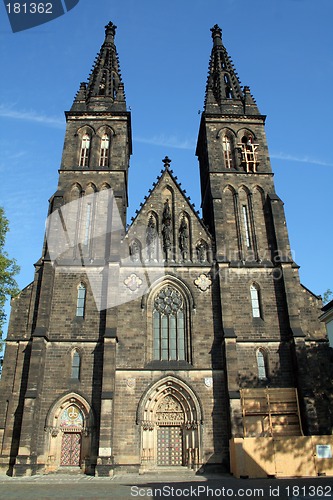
[160, 486]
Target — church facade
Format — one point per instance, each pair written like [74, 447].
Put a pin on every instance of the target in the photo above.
[152, 346]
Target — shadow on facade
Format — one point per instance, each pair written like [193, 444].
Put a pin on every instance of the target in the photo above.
[219, 460]
[97, 389]
[18, 414]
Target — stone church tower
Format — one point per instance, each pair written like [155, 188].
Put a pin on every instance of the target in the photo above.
[146, 347]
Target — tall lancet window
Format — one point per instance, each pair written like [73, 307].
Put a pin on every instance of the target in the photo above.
[87, 225]
[84, 153]
[76, 365]
[169, 325]
[104, 154]
[228, 89]
[255, 301]
[262, 364]
[81, 301]
[228, 153]
[246, 226]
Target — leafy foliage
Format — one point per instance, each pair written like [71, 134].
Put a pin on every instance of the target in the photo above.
[327, 296]
[8, 270]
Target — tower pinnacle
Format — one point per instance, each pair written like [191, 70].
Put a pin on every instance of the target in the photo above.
[104, 89]
[110, 30]
[216, 34]
[224, 94]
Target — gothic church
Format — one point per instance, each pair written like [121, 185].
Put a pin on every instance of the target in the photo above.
[166, 342]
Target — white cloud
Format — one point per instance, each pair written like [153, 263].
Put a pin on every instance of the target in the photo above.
[31, 116]
[300, 159]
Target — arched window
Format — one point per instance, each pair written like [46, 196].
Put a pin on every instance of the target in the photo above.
[262, 364]
[114, 87]
[169, 325]
[102, 85]
[228, 90]
[255, 301]
[76, 365]
[104, 154]
[81, 301]
[228, 152]
[84, 153]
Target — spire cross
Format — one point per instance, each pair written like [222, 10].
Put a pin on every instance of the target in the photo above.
[166, 162]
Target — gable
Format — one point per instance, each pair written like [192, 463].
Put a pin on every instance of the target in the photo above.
[167, 228]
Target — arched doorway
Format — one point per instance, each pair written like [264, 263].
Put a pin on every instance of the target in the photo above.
[170, 418]
[69, 423]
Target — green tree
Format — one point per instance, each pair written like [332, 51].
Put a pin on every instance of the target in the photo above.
[327, 296]
[8, 270]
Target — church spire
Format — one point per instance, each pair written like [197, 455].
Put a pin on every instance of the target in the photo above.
[224, 94]
[105, 89]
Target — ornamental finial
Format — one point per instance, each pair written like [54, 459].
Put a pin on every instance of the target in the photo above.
[166, 162]
[110, 29]
[216, 34]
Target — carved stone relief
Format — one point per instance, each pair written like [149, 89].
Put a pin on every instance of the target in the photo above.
[203, 282]
[133, 282]
[183, 238]
[169, 410]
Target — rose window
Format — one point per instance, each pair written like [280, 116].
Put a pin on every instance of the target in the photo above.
[168, 301]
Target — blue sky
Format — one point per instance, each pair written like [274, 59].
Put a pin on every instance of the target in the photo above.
[282, 49]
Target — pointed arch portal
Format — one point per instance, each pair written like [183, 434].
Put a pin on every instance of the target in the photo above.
[170, 417]
[69, 423]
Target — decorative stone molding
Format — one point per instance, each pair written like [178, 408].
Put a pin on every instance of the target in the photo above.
[147, 426]
[191, 425]
[133, 282]
[53, 431]
[203, 282]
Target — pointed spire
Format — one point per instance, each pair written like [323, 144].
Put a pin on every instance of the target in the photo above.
[80, 98]
[224, 92]
[250, 105]
[104, 90]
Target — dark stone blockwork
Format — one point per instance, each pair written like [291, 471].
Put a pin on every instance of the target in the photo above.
[131, 348]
